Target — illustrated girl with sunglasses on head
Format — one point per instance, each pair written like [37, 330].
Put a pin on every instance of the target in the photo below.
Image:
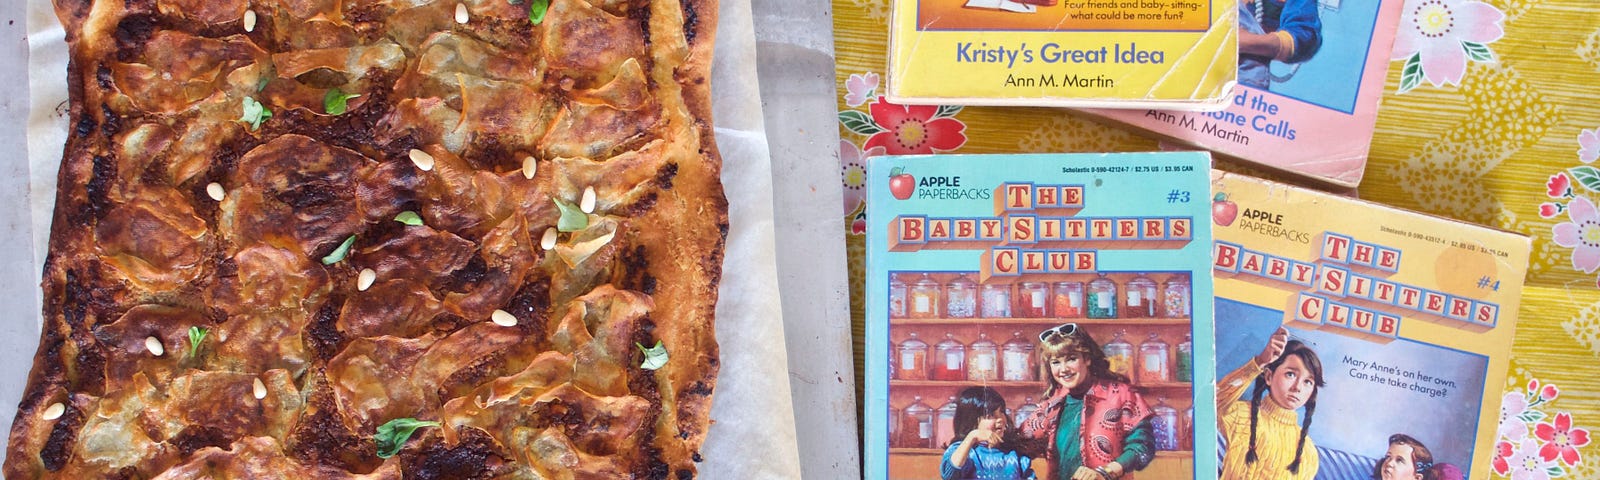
[984, 451]
[1266, 435]
[1092, 425]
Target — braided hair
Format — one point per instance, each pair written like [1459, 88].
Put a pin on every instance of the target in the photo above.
[1312, 363]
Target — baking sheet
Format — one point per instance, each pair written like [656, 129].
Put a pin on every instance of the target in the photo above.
[753, 431]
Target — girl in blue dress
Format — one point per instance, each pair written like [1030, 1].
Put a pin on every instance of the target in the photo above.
[984, 451]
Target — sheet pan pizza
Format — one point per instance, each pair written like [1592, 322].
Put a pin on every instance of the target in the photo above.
[380, 239]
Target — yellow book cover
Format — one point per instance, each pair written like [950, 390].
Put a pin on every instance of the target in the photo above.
[1175, 54]
[1356, 340]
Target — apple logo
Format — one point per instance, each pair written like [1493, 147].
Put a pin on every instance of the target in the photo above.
[901, 184]
[1223, 211]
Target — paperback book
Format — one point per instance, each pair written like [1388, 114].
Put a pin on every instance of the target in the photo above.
[1311, 75]
[1029, 314]
[1084, 53]
[1355, 340]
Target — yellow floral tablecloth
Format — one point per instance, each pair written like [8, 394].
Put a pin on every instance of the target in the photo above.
[1497, 124]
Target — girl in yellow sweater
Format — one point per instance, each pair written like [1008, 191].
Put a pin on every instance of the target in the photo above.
[1266, 439]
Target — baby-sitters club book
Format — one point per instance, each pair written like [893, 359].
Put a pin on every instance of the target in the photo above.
[1311, 74]
[1356, 340]
[1036, 314]
[1081, 53]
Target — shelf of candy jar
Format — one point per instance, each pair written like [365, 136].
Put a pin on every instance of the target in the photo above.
[936, 296]
[949, 332]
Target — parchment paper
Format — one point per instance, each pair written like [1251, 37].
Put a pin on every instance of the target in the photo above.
[753, 434]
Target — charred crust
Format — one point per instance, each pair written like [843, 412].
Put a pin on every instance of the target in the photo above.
[691, 20]
[531, 305]
[91, 363]
[195, 437]
[57, 448]
[476, 456]
[84, 127]
[468, 276]
[322, 333]
[102, 76]
[133, 32]
[666, 174]
[100, 180]
[321, 437]
[111, 123]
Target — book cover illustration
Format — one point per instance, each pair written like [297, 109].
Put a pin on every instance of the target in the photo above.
[1308, 92]
[1085, 53]
[1035, 313]
[1356, 340]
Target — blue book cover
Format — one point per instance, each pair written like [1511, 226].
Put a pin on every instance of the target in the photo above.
[1034, 313]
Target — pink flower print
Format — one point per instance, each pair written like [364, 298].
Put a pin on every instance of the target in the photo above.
[860, 87]
[1561, 440]
[853, 161]
[1558, 185]
[1439, 31]
[1588, 145]
[914, 129]
[1582, 234]
[1550, 392]
[1525, 462]
[1502, 454]
[1533, 385]
[1549, 210]
[1511, 425]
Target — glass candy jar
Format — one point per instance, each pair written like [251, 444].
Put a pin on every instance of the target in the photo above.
[985, 364]
[996, 301]
[1186, 359]
[1016, 359]
[1164, 425]
[1153, 360]
[944, 424]
[897, 297]
[912, 359]
[1175, 297]
[1119, 353]
[1141, 295]
[924, 298]
[1102, 298]
[918, 425]
[949, 359]
[894, 425]
[961, 297]
[1033, 300]
[1024, 411]
[1068, 300]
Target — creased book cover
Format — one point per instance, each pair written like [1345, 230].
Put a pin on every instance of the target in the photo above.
[1036, 314]
[1085, 53]
[1308, 93]
[1356, 340]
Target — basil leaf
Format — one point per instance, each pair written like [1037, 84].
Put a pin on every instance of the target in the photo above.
[196, 335]
[654, 357]
[572, 219]
[537, 9]
[254, 113]
[393, 434]
[409, 218]
[334, 102]
[339, 253]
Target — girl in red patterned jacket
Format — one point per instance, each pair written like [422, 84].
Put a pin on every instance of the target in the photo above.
[1093, 425]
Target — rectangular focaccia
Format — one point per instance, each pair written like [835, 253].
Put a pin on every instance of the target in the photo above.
[380, 239]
